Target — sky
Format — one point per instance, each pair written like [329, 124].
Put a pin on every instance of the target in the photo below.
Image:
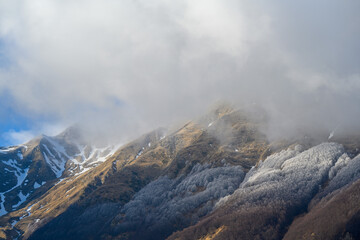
[121, 68]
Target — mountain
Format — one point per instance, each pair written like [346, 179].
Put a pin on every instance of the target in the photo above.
[218, 177]
[27, 171]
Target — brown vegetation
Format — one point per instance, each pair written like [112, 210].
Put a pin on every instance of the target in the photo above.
[334, 217]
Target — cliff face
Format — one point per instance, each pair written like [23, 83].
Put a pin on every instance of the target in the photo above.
[215, 178]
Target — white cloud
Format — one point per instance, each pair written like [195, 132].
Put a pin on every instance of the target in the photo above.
[18, 137]
[164, 62]
[15, 137]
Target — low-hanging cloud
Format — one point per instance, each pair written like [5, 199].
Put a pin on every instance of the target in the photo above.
[130, 66]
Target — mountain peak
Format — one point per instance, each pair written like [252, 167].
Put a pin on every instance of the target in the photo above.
[72, 133]
[222, 109]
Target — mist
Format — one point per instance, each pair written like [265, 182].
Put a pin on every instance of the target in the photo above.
[121, 68]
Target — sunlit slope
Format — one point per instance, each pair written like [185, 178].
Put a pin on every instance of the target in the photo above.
[106, 189]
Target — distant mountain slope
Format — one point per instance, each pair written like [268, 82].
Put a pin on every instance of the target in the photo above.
[29, 170]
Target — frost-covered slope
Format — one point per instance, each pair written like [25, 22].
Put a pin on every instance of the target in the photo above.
[334, 213]
[165, 204]
[289, 176]
[275, 191]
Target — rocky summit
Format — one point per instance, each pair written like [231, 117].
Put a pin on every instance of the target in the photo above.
[217, 177]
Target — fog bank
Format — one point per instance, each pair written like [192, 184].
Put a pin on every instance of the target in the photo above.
[126, 67]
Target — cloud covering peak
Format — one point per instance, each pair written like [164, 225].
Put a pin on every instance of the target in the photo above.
[132, 65]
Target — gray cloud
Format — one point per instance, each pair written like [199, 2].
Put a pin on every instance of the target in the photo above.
[130, 66]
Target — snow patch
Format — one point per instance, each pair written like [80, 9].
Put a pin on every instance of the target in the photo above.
[6, 150]
[139, 154]
[22, 199]
[56, 166]
[58, 147]
[2, 208]
[36, 185]
[19, 154]
[21, 175]
[14, 222]
[70, 190]
[92, 158]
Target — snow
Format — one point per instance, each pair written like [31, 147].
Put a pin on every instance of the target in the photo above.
[2, 208]
[96, 156]
[87, 157]
[56, 163]
[25, 147]
[6, 150]
[21, 175]
[12, 163]
[18, 233]
[19, 154]
[58, 168]
[22, 199]
[69, 189]
[139, 154]
[58, 147]
[14, 222]
[36, 185]
[28, 212]
[340, 164]
[29, 209]
[48, 150]
[60, 180]
[290, 176]
[344, 172]
[166, 201]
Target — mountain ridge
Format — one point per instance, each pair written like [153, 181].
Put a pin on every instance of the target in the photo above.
[206, 180]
